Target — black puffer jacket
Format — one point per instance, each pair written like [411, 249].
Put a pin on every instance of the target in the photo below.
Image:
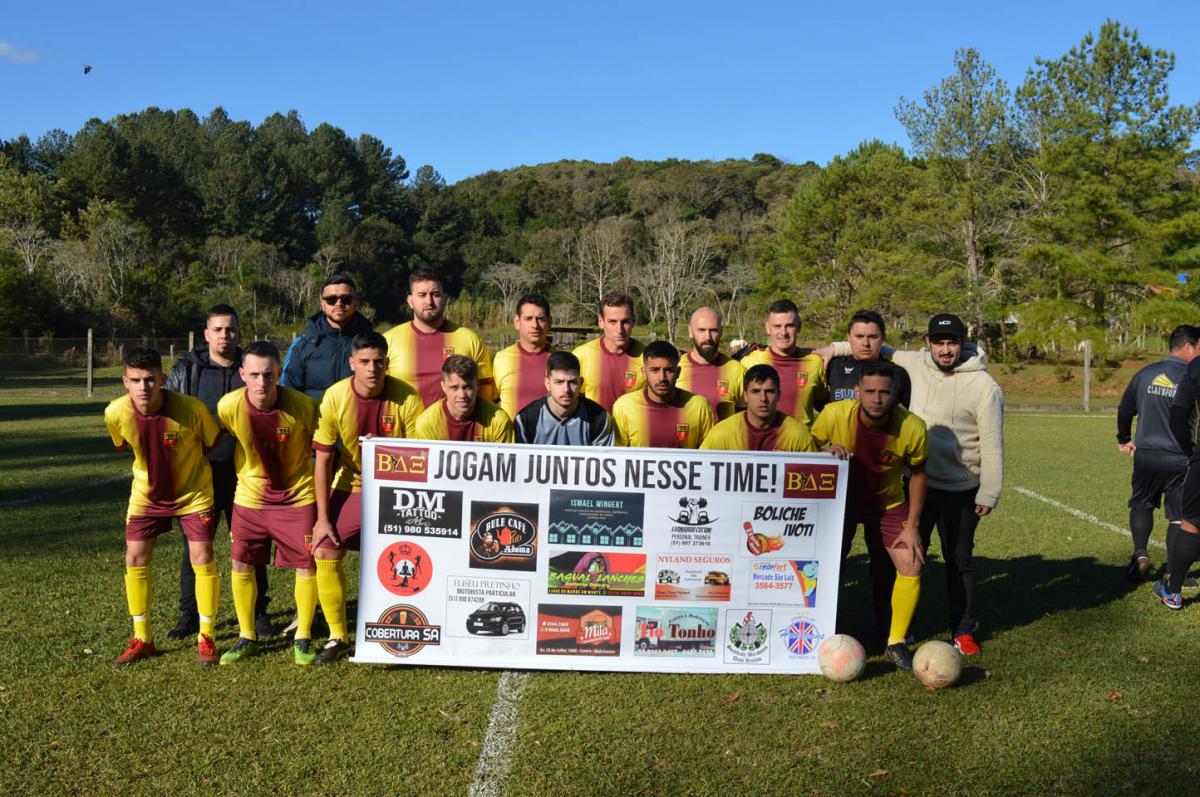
[320, 355]
[197, 375]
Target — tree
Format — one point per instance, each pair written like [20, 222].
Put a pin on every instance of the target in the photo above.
[598, 262]
[512, 280]
[674, 272]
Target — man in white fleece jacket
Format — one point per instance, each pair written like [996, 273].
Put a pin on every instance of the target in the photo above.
[963, 408]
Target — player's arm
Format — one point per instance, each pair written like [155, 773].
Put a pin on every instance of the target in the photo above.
[1182, 406]
[322, 483]
[1126, 410]
[989, 416]
[822, 437]
[607, 436]
[918, 484]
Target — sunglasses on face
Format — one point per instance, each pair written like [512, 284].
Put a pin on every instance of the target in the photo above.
[338, 298]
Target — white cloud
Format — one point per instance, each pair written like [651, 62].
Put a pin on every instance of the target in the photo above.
[14, 54]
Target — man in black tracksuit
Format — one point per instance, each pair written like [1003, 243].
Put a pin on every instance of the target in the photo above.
[208, 372]
[1159, 463]
[865, 334]
[320, 356]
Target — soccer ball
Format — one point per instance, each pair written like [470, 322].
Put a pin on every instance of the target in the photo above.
[937, 664]
[841, 658]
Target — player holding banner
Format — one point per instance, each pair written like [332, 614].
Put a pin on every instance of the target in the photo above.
[369, 403]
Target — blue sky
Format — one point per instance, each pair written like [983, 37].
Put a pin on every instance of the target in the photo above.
[474, 86]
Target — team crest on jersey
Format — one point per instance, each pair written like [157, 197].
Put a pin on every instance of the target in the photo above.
[446, 352]
[388, 424]
[283, 433]
[802, 379]
[722, 387]
[681, 431]
[886, 457]
[169, 439]
[206, 517]
[630, 380]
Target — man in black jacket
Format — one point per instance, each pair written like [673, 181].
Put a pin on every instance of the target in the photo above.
[209, 371]
[320, 356]
[865, 335]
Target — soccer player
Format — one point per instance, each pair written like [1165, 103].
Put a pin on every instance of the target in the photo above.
[760, 427]
[417, 348]
[661, 415]
[461, 413]
[707, 372]
[369, 403]
[1158, 462]
[612, 363]
[564, 416]
[168, 434]
[865, 335]
[317, 357]
[801, 373]
[883, 439]
[1186, 549]
[274, 501]
[520, 369]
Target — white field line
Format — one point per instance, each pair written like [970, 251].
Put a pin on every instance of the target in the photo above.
[1108, 416]
[495, 755]
[1079, 513]
[30, 499]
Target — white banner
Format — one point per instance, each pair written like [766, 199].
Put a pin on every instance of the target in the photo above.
[631, 559]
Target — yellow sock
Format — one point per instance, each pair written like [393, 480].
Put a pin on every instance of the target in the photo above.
[306, 605]
[331, 588]
[208, 593]
[138, 591]
[905, 594]
[245, 593]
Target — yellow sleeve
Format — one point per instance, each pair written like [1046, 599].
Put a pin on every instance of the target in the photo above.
[501, 429]
[114, 428]
[705, 420]
[719, 437]
[427, 426]
[619, 421]
[326, 433]
[822, 428]
[797, 434]
[206, 426]
[737, 384]
[410, 412]
[917, 450]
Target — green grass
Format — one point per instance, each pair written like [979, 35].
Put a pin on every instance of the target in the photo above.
[1085, 686]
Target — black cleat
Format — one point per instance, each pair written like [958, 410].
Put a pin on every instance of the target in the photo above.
[264, 627]
[186, 626]
[1139, 567]
[334, 649]
[899, 655]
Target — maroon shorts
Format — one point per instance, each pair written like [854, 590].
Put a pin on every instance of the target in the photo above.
[345, 513]
[887, 525]
[289, 526]
[197, 527]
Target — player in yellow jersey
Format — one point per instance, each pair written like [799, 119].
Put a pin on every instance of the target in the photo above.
[520, 369]
[274, 499]
[883, 439]
[462, 414]
[169, 434]
[761, 426]
[801, 373]
[612, 363]
[417, 348]
[661, 415]
[368, 403]
[705, 370]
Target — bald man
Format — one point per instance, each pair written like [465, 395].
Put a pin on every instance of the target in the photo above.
[707, 372]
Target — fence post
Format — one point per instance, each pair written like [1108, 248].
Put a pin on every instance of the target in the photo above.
[89, 363]
[171, 356]
[191, 339]
[1086, 346]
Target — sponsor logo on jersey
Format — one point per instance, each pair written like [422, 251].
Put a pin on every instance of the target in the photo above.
[403, 630]
[206, 516]
[283, 434]
[1162, 380]
[388, 424]
[681, 432]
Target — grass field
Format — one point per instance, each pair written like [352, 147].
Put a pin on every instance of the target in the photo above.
[1085, 686]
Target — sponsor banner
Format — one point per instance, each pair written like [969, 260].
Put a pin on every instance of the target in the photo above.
[638, 560]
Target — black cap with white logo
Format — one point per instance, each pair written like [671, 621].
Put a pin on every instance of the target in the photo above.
[947, 324]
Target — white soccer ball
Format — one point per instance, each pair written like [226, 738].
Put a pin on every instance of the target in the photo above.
[937, 664]
[841, 658]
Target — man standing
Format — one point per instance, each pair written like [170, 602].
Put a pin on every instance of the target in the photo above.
[417, 348]
[707, 372]
[318, 357]
[366, 404]
[564, 416]
[520, 369]
[274, 501]
[661, 415]
[611, 363]
[1186, 548]
[209, 371]
[462, 414]
[865, 335]
[801, 373]
[884, 439]
[760, 427]
[1159, 464]
[168, 434]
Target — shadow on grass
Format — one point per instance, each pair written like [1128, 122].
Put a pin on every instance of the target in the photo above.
[53, 411]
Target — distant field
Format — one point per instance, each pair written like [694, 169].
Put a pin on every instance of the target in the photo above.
[1085, 686]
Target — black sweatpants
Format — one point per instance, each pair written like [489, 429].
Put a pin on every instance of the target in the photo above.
[954, 515]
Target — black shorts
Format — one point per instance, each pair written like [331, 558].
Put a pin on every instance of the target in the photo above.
[1155, 479]
[1190, 495]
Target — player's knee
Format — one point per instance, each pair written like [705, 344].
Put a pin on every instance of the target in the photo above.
[201, 554]
[328, 554]
[240, 567]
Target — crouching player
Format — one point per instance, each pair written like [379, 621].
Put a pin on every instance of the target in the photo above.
[761, 426]
[169, 434]
[462, 414]
[884, 439]
[274, 500]
[368, 403]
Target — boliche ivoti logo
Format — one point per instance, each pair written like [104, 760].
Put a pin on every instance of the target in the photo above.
[420, 513]
[402, 464]
[503, 535]
[804, 480]
[403, 630]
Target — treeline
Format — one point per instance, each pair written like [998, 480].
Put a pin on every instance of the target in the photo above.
[1066, 208]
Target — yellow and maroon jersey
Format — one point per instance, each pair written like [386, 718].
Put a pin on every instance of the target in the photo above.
[880, 455]
[801, 380]
[416, 357]
[488, 424]
[608, 376]
[720, 382]
[642, 423]
[274, 448]
[346, 416]
[170, 474]
[520, 377]
[736, 434]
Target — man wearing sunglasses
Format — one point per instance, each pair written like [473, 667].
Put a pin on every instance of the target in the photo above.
[320, 355]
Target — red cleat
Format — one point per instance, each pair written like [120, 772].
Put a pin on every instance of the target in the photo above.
[206, 650]
[967, 645]
[136, 651]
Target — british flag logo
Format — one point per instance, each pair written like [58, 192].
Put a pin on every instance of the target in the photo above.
[802, 637]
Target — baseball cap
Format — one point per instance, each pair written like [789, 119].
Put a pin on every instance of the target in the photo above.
[947, 324]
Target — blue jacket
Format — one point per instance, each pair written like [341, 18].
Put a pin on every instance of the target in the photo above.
[320, 355]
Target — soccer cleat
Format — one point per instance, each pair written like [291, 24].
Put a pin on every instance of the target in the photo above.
[264, 627]
[900, 655]
[185, 626]
[290, 627]
[206, 650]
[334, 649]
[967, 645]
[136, 651]
[1139, 566]
[1188, 582]
[241, 649]
[1172, 600]
[303, 653]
